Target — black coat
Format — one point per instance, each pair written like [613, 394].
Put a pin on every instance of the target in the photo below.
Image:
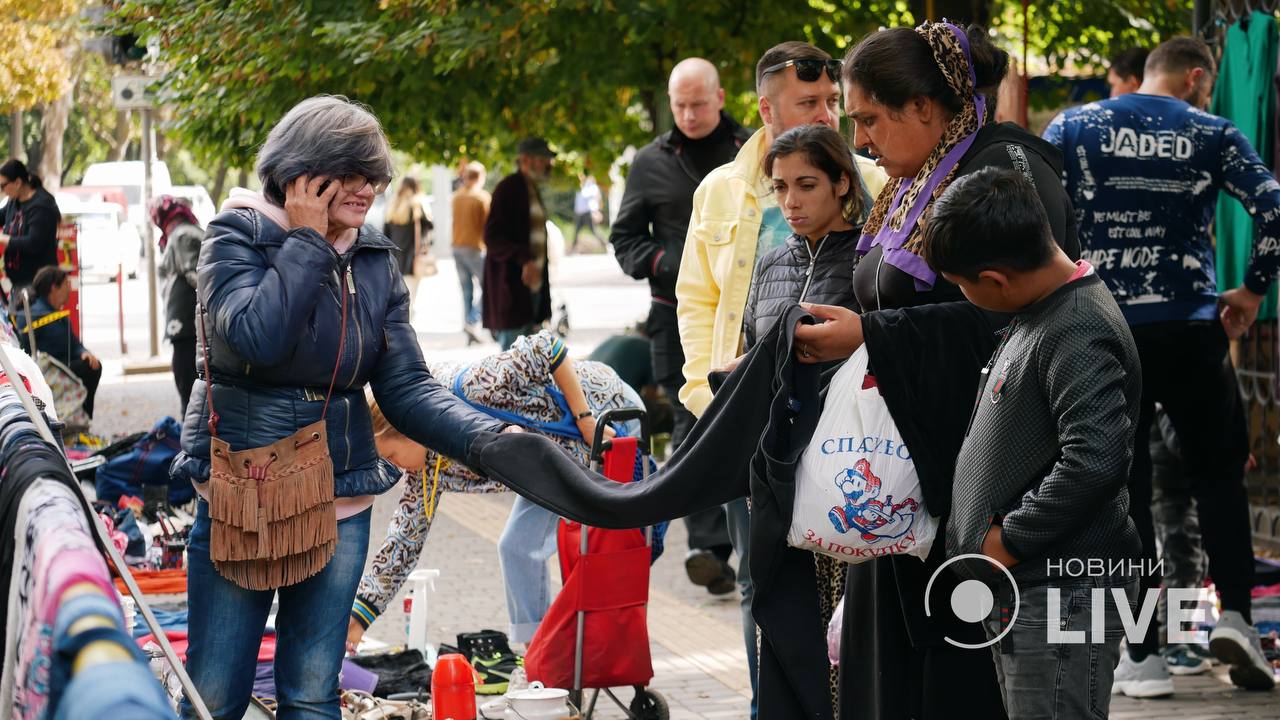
[32, 227]
[508, 304]
[648, 234]
[795, 273]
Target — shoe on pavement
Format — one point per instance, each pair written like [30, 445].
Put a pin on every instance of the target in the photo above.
[706, 570]
[1147, 679]
[1181, 660]
[1235, 642]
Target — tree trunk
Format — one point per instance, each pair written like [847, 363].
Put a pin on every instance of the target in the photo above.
[243, 180]
[124, 130]
[16, 150]
[219, 183]
[53, 126]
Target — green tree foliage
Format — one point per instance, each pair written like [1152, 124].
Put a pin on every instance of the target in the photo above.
[453, 78]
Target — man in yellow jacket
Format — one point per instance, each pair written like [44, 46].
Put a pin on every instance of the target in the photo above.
[736, 220]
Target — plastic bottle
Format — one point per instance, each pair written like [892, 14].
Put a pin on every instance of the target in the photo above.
[519, 680]
[453, 689]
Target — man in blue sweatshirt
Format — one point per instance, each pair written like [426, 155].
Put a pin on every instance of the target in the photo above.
[1144, 171]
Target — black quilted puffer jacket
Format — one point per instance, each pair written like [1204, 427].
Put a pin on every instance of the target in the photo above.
[795, 273]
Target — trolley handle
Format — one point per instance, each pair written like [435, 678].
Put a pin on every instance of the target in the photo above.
[619, 415]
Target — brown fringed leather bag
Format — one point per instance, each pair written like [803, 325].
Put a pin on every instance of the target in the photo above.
[274, 521]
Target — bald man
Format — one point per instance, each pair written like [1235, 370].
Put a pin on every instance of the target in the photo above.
[648, 239]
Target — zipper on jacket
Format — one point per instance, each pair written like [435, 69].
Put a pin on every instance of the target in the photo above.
[354, 311]
[346, 433]
[813, 261]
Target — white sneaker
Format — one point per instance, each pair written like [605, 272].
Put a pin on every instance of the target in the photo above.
[1147, 679]
[1235, 642]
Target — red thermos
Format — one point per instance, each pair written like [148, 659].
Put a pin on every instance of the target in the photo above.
[453, 689]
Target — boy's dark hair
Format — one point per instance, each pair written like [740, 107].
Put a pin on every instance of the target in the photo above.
[1179, 55]
[1130, 63]
[782, 52]
[990, 219]
[826, 150]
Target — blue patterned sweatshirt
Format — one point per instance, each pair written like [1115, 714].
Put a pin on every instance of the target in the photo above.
[1144, 172]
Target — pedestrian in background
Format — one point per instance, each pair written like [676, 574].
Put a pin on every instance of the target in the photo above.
[470, 211]
[180, 239]
[409, 228]
[517, 283]
[30, 230]
[1124, 74]
[648, 240]
[586, 210]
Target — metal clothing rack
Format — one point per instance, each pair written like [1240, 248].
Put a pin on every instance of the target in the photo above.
[104, 541]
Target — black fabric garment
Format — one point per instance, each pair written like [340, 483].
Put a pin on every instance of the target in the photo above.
[398, 672]
[796, 272]
[32, 227]
[407, 245]
[727, 455]
[707, 529]
[648, 234]
[184, 370]
[707, 153]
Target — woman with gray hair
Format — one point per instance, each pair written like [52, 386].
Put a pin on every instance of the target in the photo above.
[300, 306]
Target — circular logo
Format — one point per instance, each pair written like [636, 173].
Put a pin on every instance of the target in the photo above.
[972, 601]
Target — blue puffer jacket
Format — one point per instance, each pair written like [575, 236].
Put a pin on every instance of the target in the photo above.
[273, 311]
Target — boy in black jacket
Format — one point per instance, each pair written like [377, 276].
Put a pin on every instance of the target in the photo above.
[1041, 480]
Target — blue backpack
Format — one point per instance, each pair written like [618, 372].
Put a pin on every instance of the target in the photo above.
[146, 462]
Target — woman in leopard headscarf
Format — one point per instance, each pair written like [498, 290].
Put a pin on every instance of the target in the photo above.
[922, 101]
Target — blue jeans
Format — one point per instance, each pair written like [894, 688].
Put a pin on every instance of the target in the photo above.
[470, 265]
[226, 624]
[1040, 680]
[738, 516]
[527, 542]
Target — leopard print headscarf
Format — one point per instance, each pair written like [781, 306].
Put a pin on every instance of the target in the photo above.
[896, 218]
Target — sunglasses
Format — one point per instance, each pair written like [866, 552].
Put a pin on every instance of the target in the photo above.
[809, 69]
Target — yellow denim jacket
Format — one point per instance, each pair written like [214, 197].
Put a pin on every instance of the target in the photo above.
[719, 260]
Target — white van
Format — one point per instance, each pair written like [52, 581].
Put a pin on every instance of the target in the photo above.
[127, 174]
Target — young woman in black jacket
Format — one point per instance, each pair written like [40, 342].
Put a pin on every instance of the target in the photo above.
[822, 198]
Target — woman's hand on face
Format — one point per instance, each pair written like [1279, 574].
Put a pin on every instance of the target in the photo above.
[355, 631]
[835, 338]
[306, 205]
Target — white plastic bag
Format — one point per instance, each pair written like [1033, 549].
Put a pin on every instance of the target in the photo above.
[834, 628]
[858, 495]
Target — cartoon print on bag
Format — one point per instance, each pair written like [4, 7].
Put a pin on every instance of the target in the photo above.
[863, 512]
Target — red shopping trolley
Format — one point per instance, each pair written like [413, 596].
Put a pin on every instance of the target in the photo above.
[595, 635]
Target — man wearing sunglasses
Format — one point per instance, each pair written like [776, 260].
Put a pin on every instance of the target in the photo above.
[736, 220]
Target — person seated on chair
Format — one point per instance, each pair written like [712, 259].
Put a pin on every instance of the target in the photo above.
[537, 386]
[48, 293]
